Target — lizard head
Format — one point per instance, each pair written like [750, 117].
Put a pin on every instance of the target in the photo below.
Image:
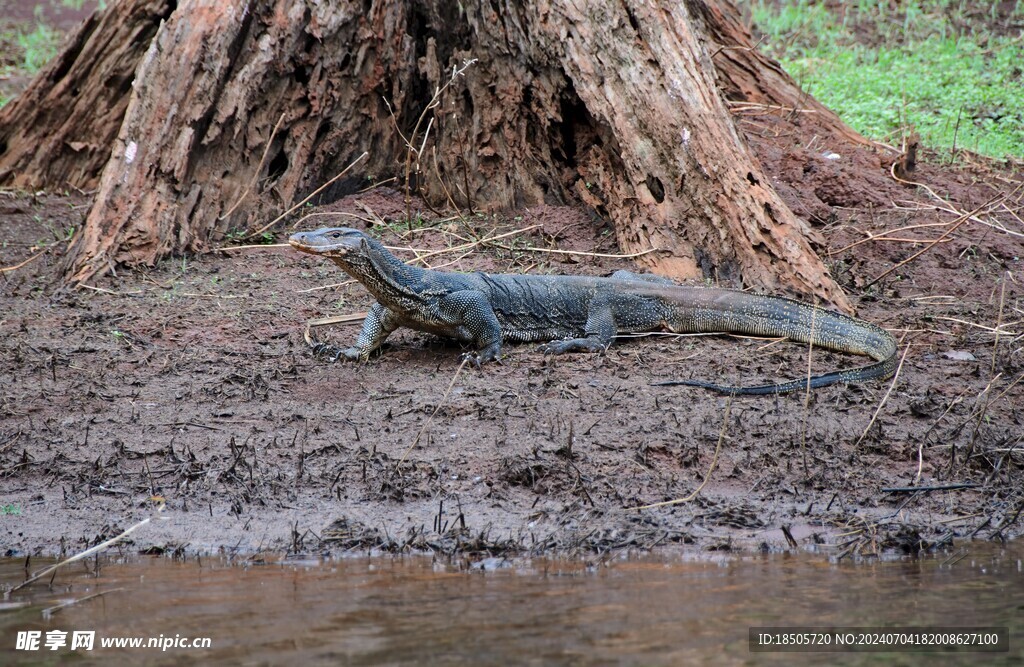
[330, 242]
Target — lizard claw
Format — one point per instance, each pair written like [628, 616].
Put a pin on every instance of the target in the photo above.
[326, 349]
[473, 358]
[477, 359]
[555, 347]
[334, 354]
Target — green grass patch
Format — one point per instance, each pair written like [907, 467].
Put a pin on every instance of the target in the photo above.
[952, 70]
[26, 47]
[38, 47]
[78, 4]
[25, 51]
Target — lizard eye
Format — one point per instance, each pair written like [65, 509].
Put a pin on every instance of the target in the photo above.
[336, 235]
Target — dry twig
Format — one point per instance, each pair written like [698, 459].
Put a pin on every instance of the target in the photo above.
[895, 377]
[259, 170]
[711, 468]
[953, 227]
[308, 197]
[89, 552]
[440, 403]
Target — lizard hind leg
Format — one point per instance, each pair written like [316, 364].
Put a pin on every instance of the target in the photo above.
[599, 331]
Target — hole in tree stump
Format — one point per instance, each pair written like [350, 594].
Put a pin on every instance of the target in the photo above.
[278, 166]
[656, 188]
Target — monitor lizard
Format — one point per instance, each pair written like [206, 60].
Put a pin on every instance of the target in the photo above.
[581, 313]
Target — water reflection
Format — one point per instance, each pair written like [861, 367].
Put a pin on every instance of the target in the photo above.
[367, 611]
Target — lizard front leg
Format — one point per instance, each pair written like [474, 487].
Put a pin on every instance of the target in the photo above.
[377, 326]
[472, 311]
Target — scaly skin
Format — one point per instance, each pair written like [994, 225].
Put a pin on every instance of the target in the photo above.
[579, 313]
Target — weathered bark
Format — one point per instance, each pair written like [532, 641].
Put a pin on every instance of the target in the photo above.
[677, 175]
[60, 130]
[614, 103]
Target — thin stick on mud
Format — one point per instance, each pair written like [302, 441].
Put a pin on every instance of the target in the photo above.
[259, 169]
[351, 318]
[916, 207]
[920, 460]
[1011, 386]
[981, 417]
[999, 323]
[452, 261]
[955, 486]
[807, 392]
[978, 326]
[885, 236]
[261, 246]
[104, 290]
[89, 552]
[579, 253]
[895, 377]
[50, 611]
[707, 475]
[980, 413]
[322, 287]
[949, 208]
[25, 263]
[772, 342]
[308, 197]
[924, 438]
[39, 254]
[437, 408]
[931, 244]
[466, 246]
[949, 408]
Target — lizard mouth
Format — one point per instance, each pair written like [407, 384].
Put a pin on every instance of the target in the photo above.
[302, 246]
[299, 242]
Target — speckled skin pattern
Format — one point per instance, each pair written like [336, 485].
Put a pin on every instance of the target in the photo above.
[579, 313]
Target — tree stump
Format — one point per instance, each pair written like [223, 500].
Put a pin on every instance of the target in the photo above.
[240, 108]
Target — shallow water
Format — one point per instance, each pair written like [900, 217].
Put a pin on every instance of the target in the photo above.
[367, 611]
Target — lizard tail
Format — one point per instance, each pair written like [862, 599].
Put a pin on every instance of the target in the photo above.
[756, 315]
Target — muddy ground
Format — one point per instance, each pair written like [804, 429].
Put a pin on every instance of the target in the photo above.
[192, 382]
